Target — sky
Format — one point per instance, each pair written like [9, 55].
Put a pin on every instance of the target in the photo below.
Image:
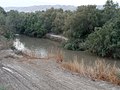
[23, 3]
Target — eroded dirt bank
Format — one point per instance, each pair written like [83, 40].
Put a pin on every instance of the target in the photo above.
[18, 73]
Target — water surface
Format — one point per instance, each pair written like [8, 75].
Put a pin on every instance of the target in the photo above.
[45, 46]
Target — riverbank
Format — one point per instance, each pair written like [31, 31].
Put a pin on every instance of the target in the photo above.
[5, 43]
[99, 71]
[57, 38]
[21, 72]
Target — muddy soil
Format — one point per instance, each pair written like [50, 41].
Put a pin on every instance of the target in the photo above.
[18, 73]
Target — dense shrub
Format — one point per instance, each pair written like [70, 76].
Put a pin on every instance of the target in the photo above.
[86, 28]
[105, 41]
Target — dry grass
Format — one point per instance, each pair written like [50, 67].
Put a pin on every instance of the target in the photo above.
[59, 56]
[31, 55]
[99, 71]
[27, 54]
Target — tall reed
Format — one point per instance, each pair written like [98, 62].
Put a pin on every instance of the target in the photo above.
[99, 71]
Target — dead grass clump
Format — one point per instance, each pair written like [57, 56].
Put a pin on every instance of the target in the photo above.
[105, 72]
[99, 71]
[75, 66]
[59, 56]
[30, 55]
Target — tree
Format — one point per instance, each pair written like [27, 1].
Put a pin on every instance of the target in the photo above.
[13, 20]
[58, 23]
[110, 10]
[105, 41]
[2, 16]
[2, 11]
[83, 22]
[49, 17]
[81, 25]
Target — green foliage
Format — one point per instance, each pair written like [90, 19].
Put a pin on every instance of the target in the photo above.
[58, 23]
[86, 28]
[2, 11]
[80, 25]
[74, 45]
[105, 41]
[2, 19]
[4, 30]
[83, 22]
[13, 20]
[2, 88]
[53, 20]
[2, 16]
[110, 10]
[9, 35]
[95, 30]
[32, 25]
[37, 24]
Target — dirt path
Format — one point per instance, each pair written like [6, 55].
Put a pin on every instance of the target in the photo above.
[19, 74]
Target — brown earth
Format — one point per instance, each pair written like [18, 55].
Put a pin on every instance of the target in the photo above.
[18, 73]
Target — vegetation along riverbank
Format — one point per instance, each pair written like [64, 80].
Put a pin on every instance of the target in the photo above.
[20, 65]
[87, 28]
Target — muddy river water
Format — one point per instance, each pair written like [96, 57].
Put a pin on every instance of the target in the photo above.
[45, 46]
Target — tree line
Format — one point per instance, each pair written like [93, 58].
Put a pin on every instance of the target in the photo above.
[87, 28]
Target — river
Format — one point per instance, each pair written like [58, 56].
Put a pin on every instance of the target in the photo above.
[45, 46]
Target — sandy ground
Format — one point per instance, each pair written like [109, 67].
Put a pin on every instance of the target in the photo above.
[17, 73]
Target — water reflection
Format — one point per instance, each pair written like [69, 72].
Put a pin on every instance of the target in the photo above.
[19, 45]
[44, 46]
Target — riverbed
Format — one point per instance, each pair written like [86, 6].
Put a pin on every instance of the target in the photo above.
[45, 46]
[21, 73]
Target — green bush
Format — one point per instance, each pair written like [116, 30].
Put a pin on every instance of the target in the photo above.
[105, 41]
[74, 45]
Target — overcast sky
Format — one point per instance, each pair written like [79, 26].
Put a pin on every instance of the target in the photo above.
[18, 3]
